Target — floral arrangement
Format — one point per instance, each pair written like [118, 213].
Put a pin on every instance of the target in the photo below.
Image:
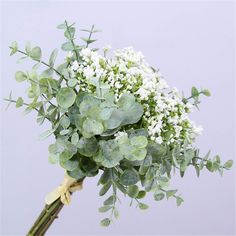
[114, 114]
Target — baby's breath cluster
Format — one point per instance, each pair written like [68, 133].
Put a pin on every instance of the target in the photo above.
[165, 114]
[112, 113]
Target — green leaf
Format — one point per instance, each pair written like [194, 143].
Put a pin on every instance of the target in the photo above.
[129, 177]
[105, 188]
[116, 213]
[72, 82]
[53, 158]
[75, 138]
[206, 92]
[67, 46]
[70, 33]
[105, 222]
[109, 155]
[137, 155]
[14, 48]
[110, 201]
[36, 53]
[159, 196]
[53, 57]
[65, 156]
[61, 26]
[141, 194]
[106, 176]
[228, 164]
[28, 48]
[88, 41]
[194, 92]
[133, 191]
[179, 201]
[115, 119]
[19, 102]
[139, 141]
[210, 166]
[88, 166]
[87, 147]
[65, 122]
[93, 126]
[64, 132]
[46, 134]
[76, 173]
[171, 193]
[142, 206]
[104, 209]
[66, 97]
[70, 165]
[132, 111]
[20, 76]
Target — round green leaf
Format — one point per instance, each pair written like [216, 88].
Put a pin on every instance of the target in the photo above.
[109, 155]
[139, 141]
[87, 147]
[115, 119]
[72, 82]
[53, 158]
[137, 155]
[76, 173]
[159, 196]
[143, 206]
[36, 53]
[75, 138]
[105, 222]
[93, 126]
[133, 191]
[19, 102]
[129, 177]
[70, 165]
[65, 122]
[20, 76]
[141, 194]
[66, 97]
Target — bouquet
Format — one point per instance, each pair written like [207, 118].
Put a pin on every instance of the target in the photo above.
[112, 114]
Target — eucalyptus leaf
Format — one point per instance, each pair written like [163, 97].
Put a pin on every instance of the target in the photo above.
[36, 53]
[20, 76]
[66, 97]
[129, 177]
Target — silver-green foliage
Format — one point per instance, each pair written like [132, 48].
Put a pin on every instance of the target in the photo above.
[85, 127]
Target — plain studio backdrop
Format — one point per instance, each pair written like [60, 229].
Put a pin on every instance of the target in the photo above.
[192, 43]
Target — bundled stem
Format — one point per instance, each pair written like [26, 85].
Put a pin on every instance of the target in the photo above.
[49, 214]
[46, 218]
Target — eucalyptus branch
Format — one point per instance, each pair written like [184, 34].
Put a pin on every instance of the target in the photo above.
[48, 100]
[71, 40]
[28, 105]
[90, 35]
[40, 61]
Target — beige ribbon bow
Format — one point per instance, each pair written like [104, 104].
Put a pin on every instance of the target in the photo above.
[68, 186]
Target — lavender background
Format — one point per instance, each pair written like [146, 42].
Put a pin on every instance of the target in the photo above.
[193, 43]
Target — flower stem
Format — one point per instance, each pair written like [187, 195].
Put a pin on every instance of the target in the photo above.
[49, 214]
[46, 218]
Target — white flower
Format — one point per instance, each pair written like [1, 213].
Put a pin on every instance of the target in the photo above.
[69, 54]
[86, 52]
[88, 72]
[197, 129]
[75, 66]
[159, 140]
[106, 48]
